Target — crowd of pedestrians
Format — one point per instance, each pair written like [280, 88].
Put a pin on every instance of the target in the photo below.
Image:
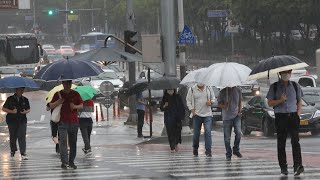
[284, 96]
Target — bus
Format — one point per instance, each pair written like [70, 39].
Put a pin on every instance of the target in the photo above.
[20, 50]
[94, 40]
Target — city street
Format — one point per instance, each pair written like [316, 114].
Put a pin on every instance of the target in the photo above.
[119, 154]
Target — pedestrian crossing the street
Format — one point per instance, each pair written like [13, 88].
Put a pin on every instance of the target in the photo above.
[140, 163]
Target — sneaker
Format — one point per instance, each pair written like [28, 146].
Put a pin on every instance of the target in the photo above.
[64, 166]
[177, 148]
[299, 170]
[140, 136]
[12, 154]
[88, 151]
[284, 171]
[72, 165]
[173, 151]
[24, 157]
[208, 154]
[195, 152]
[238, 154]
[228, 158]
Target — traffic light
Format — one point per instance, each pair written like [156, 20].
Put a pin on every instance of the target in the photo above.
[127, 38]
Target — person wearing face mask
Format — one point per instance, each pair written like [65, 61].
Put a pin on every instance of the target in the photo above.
[174, 112]
[285, 97]
[199, 101]
[17, 107]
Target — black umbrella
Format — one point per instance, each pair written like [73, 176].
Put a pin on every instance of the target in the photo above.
[68, 69]
[274, 65]
[164, 82]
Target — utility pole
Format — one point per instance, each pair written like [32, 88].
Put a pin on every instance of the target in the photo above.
[132, 119]
[34, 13]
[168, 37]
[105, 17]
[67, 26]
[182, 56]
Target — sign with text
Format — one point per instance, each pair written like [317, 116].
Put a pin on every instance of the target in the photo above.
[186, 36]
[217, 13]
[8, 4]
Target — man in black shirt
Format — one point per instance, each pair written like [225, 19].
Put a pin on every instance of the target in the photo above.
[16, 107]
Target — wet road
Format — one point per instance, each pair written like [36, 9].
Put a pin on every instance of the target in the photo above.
[119, 154]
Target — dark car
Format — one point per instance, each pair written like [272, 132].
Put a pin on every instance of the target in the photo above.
[312, 96]
[257, 115]
[250, 88]
[216, 111]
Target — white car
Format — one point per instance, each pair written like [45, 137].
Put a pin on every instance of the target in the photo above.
[66, 51]
[107, 75]
[48, 49]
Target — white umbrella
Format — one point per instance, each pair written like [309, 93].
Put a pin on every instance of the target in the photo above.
[227, 74]
[189, 79]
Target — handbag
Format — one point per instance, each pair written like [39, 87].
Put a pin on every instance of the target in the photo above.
[55, 115]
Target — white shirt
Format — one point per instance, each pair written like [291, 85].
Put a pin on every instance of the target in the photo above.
[197, 98]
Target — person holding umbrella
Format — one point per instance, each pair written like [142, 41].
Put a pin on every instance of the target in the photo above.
[285, 97]
[17, 107]
[229, 100]
[174, 112]
[140, 106]
[69, 122]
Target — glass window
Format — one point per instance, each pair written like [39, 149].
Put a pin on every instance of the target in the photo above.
[106, 75]
[88, 40]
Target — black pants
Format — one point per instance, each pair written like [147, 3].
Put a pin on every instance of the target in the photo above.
[140, 121]
[174, 132]
[86, 129]
[288, 123]
[18, 131]
[54, 128]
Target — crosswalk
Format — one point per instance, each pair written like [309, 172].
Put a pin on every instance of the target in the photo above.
[139, 163]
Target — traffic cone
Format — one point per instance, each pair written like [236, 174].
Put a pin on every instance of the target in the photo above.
[102, 117]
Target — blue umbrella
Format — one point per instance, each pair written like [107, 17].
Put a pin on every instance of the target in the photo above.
[9, 84]
[68, 69]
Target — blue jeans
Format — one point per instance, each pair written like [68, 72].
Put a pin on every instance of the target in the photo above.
[227, 128]
[197, 123]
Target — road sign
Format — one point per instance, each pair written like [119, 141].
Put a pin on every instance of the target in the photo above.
[233, 27]
[186, 36]
[8, 4]
[217, 13]
[106, 88]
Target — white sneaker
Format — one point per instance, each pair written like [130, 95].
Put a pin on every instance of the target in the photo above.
[55, 140]
[24, 157]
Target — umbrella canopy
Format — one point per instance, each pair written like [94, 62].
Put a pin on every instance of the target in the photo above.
[67, 69]
[274, 65]
[107, 54]
[86, 92]
[161, 83]
[189, 79]
[54, 90]
[226, 74]
[9, 84]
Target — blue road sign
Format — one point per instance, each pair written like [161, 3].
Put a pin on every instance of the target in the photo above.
[186, 36]
[217, 13]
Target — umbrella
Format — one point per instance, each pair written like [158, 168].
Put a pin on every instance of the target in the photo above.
[54, 90]
[227, 74]
[86, 92]
[67, 69]
[189, 79]
[274, 65]
[107, 54]
[9, 84]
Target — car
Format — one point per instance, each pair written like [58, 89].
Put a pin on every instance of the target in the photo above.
[7, 71]
[53, 57]
[257, 115]
[216, 110]
[119, 71]
[250, 88]
[66, 50]
[312, 96]
[305, 81]
[26, 72]
[107, 75]
[48, 49]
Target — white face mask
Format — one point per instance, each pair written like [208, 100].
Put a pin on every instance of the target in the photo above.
[285, 76]
[170, 92]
